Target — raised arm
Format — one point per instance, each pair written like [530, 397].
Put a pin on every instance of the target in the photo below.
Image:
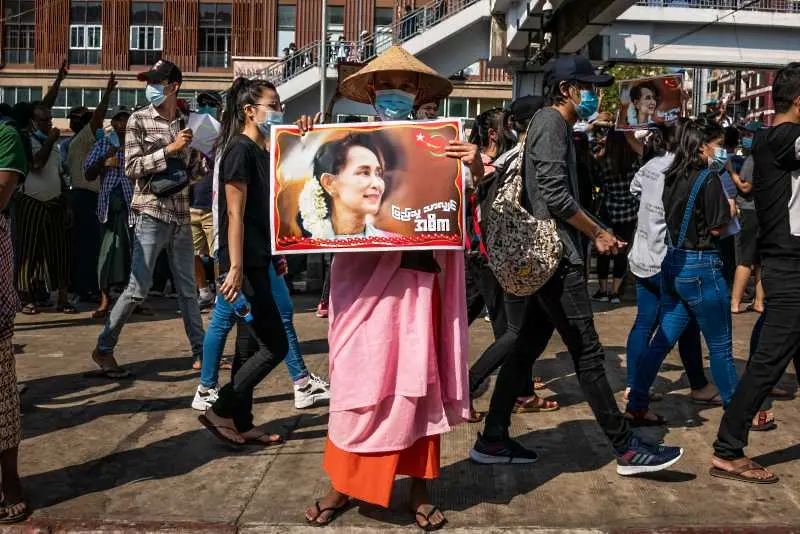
[101, 109]
[49, 99]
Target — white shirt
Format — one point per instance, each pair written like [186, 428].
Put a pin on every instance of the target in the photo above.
[649, 243]
[44, 184]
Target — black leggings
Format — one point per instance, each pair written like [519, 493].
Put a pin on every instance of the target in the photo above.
[623, 231]
[253, 362]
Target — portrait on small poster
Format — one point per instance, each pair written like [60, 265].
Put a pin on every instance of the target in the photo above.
[649, 101]
[366, 187]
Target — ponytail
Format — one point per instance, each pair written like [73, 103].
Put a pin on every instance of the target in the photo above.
[243, 92]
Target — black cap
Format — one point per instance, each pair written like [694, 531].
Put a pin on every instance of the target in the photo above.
[524, 107]
[162, 71]
[209, 98]
[120, 110]
[575, 68]
[77, 112]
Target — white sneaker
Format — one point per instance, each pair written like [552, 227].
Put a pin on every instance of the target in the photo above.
[203, 400]
[315, 390]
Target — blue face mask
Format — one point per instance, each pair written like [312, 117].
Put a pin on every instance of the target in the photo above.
[747, 143]
[393, 104]
[589, 104]
[720, 159]
[207, 110]
[272, 118]
[155, 94]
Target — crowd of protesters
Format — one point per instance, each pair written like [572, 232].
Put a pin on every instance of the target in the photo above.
[690, 212]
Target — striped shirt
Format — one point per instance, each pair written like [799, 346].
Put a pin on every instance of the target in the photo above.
[146, 139]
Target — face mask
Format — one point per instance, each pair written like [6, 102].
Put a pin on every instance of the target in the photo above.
[113, 138]
[589, 104]
[747, 143]
[155, 94]
[393, 104]
[720, 159]
[40, 135]
[207, 110]
[273, 117]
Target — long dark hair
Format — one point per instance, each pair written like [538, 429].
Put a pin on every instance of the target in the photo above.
[243, 92]
[693, 135]
[619, 153]
[492, 119]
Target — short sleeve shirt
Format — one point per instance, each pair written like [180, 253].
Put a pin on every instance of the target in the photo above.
[711, 210]
[44, 184]
[12, 158]
[246, 162]
[79, 149]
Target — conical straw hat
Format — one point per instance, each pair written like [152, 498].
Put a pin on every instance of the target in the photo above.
[432, 85]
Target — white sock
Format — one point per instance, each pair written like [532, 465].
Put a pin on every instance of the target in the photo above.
[205, 293]
[204, 389]
[303, 381]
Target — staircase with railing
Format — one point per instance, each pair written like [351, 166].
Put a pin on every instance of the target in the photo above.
[416, 23]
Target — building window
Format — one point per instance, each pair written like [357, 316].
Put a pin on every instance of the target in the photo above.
[456, 107]
[69, 97]
[130, 98]
[147, 32]
[215, 35]
[287, 24]
[14, 95]
[18, 29]
[85, 32]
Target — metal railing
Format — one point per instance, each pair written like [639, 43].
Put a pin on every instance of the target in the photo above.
[775, 6]
[363, 50]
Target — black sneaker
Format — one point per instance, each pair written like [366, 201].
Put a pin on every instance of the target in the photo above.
[614, 299]
[506, 451]
[644, 457]
[600, 296]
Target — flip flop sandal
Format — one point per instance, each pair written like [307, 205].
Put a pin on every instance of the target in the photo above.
[475, 417]
[226, 364]
[779, 393]
[538, 383]
[638, 420]
[430, 527]
[99, 314]
[68, 309]
[214, 429]
[30, 309]
[716, 400]
[260, 443]
[746, 309]
[536, 405]
[8, 518]
[764, 422]
[111, 374]
[737, 475]
[109, 368]
[336, 512]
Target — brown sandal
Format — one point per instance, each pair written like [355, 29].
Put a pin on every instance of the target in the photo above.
[737, 474]
[535, 404]
[765, 420]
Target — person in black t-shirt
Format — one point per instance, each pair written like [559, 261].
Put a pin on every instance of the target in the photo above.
[244, 254]
[697, 211]
[776, 190]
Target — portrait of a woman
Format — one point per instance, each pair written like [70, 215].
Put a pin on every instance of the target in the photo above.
[345, 191]
[645, 99]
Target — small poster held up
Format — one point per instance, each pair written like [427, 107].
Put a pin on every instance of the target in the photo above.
[649, 101]
[205, 130]
[366, 187]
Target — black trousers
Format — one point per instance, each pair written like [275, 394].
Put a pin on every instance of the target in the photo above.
[625, 232]
[253, 361]
[87, 235]
[483, 289]
[778, 344]
[494, 356]
[563, 304]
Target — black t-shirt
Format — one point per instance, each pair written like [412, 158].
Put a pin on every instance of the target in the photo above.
[776, 190]
[244, 161]
[711, 210]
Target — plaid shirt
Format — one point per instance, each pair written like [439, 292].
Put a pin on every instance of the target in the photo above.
[616, 201]
[113, 177]
[146, 139]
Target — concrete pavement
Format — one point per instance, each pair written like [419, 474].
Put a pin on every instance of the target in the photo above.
[130, 456]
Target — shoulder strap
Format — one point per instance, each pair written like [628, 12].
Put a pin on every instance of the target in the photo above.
[687, 214]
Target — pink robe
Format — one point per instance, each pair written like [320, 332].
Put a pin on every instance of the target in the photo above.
[390, 383]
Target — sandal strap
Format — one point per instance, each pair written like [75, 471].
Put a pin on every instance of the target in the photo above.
[749, 466]
[427, 517]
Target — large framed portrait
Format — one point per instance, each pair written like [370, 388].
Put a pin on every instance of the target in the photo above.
[650, 101]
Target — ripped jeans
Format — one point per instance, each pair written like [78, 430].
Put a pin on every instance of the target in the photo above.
[151, 236]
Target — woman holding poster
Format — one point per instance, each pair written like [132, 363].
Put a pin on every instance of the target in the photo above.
[398, 334]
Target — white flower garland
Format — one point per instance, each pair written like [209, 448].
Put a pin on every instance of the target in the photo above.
[314, 211]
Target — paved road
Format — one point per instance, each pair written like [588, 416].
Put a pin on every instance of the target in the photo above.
[131, 457]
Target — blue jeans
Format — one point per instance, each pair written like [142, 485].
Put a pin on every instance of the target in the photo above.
[223, 321]
[694, 285]
[648, 316]
[151, 236]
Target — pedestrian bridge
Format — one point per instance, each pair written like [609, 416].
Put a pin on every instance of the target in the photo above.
[709, 33]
